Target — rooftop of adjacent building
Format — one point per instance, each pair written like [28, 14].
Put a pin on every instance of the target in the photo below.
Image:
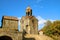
[10, 18]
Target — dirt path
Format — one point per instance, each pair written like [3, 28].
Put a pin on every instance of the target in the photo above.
[38, 37]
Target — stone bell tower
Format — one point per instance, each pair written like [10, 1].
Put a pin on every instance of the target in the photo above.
[28, 11]
[29, 23]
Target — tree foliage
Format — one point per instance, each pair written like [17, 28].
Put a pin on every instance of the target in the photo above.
[52, 29]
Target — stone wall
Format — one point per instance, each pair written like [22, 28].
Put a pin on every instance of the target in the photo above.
[9, 22]
[29, 24]
[9, 29]
[15, 35]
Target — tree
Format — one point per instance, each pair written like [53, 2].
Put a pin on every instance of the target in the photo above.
[52, 29]
[48, 23]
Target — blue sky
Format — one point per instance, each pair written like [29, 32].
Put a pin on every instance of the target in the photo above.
[44, 9]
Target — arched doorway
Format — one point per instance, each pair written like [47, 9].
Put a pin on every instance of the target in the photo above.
[5, 38]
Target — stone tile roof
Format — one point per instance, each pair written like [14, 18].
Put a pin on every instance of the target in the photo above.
[10, 18]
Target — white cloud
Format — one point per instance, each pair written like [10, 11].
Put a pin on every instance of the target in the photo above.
[19, 17]
[19, 20]
[19, 23]
[52, 20]
[41, 22]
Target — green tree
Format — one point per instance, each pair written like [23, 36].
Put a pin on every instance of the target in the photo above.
[52, 29]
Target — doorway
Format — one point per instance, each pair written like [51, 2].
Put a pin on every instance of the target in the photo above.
[5, 38]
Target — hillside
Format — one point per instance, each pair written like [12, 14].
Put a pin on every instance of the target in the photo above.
[52, 29]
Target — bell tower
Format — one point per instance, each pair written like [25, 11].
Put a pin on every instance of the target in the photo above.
[29, 23]
[28, 11]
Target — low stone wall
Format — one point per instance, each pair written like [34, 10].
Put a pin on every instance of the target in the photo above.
[15, 35]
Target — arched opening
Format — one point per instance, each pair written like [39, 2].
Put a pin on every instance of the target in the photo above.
[5, 38]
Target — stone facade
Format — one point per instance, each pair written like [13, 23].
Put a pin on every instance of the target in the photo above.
[10, 22]
[29, 23]
[9, 27]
